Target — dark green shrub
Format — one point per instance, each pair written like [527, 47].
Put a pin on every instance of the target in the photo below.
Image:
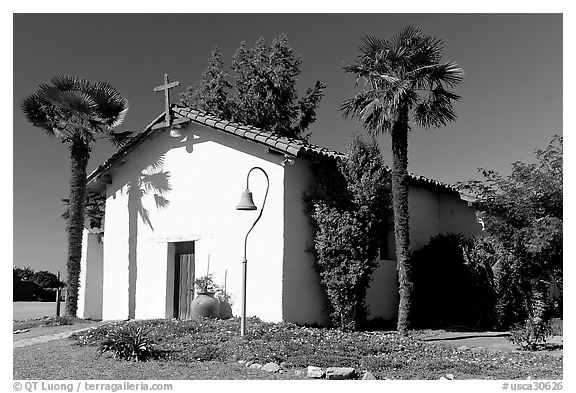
[349, 208]
[451, 289]
[59, 321]
[129, 342]
[29, 285]
[520, 290]
[523, 215]
[530, 333]
[261, 91]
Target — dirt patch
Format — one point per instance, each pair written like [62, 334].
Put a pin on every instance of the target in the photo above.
[491, 341]
[49, 330]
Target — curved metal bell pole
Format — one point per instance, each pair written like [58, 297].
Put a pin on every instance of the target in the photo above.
[247, 203]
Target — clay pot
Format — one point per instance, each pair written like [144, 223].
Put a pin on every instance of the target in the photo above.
[205, 305]
[225, 310]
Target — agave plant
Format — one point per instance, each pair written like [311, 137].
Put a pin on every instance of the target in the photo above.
[129, 342]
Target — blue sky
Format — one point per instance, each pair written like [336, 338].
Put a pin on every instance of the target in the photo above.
[511, 94]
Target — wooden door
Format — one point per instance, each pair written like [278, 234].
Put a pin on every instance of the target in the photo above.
[185, 285]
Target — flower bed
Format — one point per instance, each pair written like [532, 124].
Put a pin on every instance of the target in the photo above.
[385, 354]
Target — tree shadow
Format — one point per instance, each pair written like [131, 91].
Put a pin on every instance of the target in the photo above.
[142, 175]
[151, 180]
[466, 336]
[550, 346]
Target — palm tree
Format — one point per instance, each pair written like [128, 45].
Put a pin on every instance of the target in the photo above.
[406, 83]
[77, 112]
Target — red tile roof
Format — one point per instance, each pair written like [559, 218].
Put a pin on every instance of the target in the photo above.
[288, 146]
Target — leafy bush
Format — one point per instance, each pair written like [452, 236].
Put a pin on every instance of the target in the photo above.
[129, 342]
[522, 214]
[205, 284]
[349, 210]
[59, 321]
[529, 334]
[223, 297]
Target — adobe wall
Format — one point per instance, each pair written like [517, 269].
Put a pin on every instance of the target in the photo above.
[206, 173]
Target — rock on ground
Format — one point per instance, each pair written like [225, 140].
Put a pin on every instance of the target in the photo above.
[340, 373]
[315, 372]
[271, 367]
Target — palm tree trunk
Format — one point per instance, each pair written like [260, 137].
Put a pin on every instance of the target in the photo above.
[401, 216]
[79, 155]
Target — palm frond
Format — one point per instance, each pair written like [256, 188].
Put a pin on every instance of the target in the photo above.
[440, 92]
[426, 50]
[372, 111]
[404, 42]
[369, 109]
[69, 101]
[451, 73]
[112, 107]
[389, 79]
[120, 139]
[405, 73]
[70, 83]
[371, 45]
[71, 108]
[34, 109]
[378, 120]
[353, 106]
[437, 110]
[448, 73]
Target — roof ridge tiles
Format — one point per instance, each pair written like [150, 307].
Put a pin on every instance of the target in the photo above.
[286, 145]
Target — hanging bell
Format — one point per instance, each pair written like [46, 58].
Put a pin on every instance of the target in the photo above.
[246, 202]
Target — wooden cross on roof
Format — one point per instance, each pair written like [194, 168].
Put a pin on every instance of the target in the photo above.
[166, 87]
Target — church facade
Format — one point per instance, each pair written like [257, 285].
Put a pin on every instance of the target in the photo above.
[173, 191]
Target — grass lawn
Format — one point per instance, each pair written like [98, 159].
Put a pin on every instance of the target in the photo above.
[34, 310]
[64, 360]
[211, 349]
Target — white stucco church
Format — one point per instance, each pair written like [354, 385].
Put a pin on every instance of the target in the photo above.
[173, 191]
